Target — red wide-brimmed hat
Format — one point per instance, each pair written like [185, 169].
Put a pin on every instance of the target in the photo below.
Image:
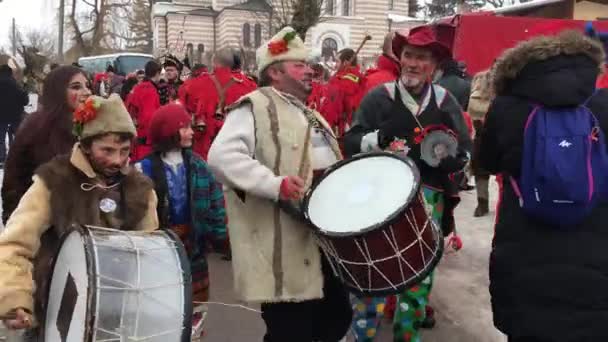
[425, 36]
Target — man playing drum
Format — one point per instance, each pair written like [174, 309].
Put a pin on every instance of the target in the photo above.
[267, 151]
[92, 186]
[403, 110]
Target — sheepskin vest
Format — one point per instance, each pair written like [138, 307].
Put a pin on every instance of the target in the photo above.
[71, 205]
[275, 256]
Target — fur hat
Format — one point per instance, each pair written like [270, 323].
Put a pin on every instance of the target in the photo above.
[172, 61]
[99, 116]
[542, 47]
[284, 46]
[166, 122]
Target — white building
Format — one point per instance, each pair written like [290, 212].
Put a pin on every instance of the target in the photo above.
[199, 27]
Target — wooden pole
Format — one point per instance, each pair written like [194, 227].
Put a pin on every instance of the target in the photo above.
[14, 38]
[60, 24]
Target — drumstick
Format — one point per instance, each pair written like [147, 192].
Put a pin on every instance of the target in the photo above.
[8, 316]
[305, 152]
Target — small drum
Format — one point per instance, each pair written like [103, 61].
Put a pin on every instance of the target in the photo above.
[373, 225]
[112, 285]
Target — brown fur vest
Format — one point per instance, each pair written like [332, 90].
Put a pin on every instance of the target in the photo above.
[71, 205]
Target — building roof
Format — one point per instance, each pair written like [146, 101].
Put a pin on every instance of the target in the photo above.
[207, 11]
[252, 5]
[402, 18]
[525, 6]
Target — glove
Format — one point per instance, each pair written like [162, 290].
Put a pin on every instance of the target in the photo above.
[451, 164]
[292, 188]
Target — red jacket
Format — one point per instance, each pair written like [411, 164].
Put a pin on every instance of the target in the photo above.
[234, 85]
[386, 70]
[602, 81]
[316, 95]
[190, 92]
[343, 93]
[142, 103]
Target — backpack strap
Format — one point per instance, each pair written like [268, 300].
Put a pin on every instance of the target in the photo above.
[221, 91]
[516, 190]
[590, 97]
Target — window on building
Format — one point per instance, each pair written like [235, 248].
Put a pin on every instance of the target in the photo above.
[257, 33]
[200, 51]
[346, 7]
[330, 7]
[329, 48]
[190, 51]
[246, 35]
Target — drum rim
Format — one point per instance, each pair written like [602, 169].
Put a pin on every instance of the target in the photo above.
[389, 219]
[85, 232]
[76, 229]
[187, 281]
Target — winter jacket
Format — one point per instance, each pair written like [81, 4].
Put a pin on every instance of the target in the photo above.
[545, 283]
[387, 70]
[458, 86]
[390, 108]
[342, 96]
[12, 101]
[47, 213]
[231, 85]
[143, 102]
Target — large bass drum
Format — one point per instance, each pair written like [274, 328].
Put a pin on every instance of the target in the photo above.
[112, 285]
[373, 225]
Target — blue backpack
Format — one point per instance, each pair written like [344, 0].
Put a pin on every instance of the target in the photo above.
[564, 165]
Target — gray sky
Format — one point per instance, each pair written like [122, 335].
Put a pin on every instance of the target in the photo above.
[28, 14]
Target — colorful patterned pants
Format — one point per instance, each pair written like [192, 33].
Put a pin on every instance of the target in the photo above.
[410, 311]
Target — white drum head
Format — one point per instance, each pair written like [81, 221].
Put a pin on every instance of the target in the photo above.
[111, 285]
[66, 312]
[361, 194]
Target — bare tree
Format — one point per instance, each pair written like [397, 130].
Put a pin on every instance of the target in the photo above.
[95, 24]
[140, 26]
[299, 14]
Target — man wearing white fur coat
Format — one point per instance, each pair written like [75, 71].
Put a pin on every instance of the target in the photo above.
[267, 152]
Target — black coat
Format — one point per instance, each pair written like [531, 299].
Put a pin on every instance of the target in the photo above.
[545, 283]
[12, 101]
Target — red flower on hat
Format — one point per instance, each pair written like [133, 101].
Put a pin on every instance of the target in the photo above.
[83, 114]
[278, 47]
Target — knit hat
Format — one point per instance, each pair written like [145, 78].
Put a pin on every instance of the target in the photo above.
[284, 46]
[166, 122]
[99, 116]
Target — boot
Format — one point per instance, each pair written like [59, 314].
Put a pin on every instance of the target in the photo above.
[482, 208]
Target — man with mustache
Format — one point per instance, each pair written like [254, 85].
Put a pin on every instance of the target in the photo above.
[94, 185]
[267, 152]
[401, 110]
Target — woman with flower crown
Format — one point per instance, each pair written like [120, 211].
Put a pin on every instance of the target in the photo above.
[115, 196]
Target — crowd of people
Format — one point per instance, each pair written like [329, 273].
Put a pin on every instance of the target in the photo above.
[215, 156]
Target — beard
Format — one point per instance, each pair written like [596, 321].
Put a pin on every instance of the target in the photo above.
[303, 86]
[107, 171]
[410, 82]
